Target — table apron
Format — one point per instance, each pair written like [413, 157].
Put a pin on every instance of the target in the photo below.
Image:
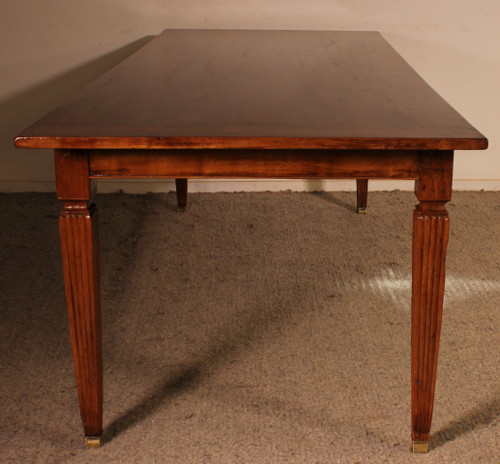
[335, 164]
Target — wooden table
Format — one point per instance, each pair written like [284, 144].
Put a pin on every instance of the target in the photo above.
[255, 104]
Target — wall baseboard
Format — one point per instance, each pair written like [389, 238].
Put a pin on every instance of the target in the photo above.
[142, 186]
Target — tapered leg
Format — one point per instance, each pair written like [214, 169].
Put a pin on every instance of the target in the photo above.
[362, 195]
[181, 187]
[430, 240]
[80, 253]
[79, 242]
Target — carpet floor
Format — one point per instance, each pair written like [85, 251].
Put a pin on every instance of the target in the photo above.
[251, 328]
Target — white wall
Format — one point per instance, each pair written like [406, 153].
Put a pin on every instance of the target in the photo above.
[49, 48]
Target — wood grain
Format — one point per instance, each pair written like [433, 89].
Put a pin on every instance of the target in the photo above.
[286, 164]
[429, 251]
[255, 104]
[430, 240]
[79, 244]
[257, 89]
[80, 254]
[72, 175]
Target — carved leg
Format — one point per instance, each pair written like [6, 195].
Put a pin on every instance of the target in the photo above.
[181, 186]
[79, 242]
[362, 195]
[430, 240]
[80, 253]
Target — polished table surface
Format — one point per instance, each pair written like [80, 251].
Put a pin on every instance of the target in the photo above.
[255, 104]
[257, 89]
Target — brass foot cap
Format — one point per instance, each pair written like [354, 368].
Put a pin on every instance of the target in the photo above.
[362, 210]
[420, 446]
[93, 442]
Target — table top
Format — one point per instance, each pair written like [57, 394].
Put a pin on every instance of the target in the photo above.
[257, 89]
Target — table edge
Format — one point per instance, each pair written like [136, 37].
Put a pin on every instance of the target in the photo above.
[321, 143]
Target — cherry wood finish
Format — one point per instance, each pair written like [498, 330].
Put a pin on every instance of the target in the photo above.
[80, 254]
[257, 89]
[289, 164]
[430, 239]
[255, 104]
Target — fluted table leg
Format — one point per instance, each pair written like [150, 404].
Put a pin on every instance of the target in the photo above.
[79, 243]
[430, 239]
[80, 253]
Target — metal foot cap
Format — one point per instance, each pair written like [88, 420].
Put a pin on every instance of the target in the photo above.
[93, 442]
[362, 210]
[420, 446]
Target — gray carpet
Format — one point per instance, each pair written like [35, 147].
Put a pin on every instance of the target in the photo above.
[252, 328]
